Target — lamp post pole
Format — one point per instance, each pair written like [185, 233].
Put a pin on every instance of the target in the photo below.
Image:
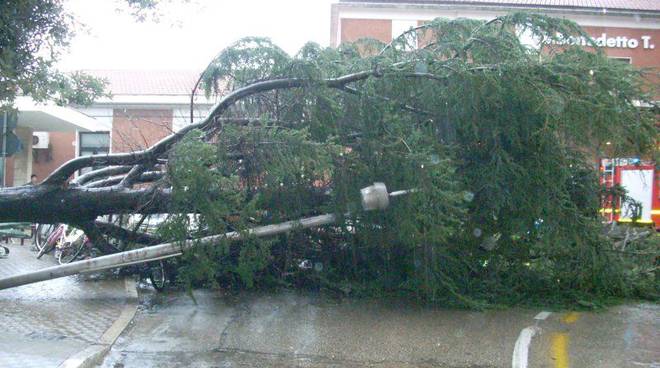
[3, 153]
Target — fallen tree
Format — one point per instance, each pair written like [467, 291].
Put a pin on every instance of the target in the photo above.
[497, 137]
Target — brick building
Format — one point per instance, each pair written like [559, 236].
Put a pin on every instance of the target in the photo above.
[628, 29]
[145, 106]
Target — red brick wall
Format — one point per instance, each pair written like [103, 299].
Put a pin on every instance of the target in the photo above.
[381, 29]
[135, 129]
[354, 29]
[641, 57]
[61, 150]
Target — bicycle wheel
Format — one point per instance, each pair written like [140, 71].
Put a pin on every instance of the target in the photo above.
[41, 235]
[52, 240]
[72, 244]
[70, 252]
[157, 275]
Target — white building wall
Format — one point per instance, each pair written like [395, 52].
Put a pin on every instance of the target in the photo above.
[181, 115]
[23, 159]
[102, 114]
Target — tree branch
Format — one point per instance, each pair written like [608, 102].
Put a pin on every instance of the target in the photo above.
[151, 154]
[51, 204]
[100, 173]
[132, 176]
[96, 237]
[124, 234]
[403, 106]
[146, 177]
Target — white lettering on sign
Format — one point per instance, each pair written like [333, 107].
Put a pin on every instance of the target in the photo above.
[620, 42]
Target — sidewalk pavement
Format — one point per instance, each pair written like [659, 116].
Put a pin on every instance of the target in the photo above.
[46, 323]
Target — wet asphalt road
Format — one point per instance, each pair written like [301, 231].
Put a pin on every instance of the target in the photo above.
[45, 323]
[307, 330]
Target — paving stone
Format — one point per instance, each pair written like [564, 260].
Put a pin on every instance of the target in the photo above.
[45, 323]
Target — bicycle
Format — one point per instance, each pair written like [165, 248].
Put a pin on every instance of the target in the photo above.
[71, 245]
[41, 233]
[156, 272]
[47, 237]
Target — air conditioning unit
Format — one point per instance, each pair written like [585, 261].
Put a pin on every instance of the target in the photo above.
[40, 140]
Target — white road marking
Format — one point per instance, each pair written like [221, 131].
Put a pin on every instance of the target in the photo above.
[543, 315]
[521, 349]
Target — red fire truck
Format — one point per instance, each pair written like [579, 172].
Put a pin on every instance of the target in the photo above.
[641, 180]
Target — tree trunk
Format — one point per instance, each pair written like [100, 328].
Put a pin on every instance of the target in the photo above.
[53, 203]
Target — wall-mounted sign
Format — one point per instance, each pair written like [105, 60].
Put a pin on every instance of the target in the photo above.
[604, 40]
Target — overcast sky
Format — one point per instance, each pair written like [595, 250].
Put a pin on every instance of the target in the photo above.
[188, 35]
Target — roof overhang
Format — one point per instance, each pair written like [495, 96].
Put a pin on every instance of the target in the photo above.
[452, 9]
[532, 5]
[199, 99]
[52, 118]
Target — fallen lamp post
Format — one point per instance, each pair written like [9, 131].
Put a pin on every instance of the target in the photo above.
[374, 197]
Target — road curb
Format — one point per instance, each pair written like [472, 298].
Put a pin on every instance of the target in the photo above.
[94, 354]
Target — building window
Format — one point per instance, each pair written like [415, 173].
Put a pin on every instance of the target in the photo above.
[93, 144]
[624, 60]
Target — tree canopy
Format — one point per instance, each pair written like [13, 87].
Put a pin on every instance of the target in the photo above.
[498, 139]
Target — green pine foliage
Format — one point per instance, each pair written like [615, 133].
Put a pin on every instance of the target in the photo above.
[33, 36]
[499, 139]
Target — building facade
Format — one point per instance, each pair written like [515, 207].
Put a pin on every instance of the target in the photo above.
[144, 107]
[24, 137]
[627, 29]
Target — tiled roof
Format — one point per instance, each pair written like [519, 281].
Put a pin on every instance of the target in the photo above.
[634, 5]
[151, 82]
